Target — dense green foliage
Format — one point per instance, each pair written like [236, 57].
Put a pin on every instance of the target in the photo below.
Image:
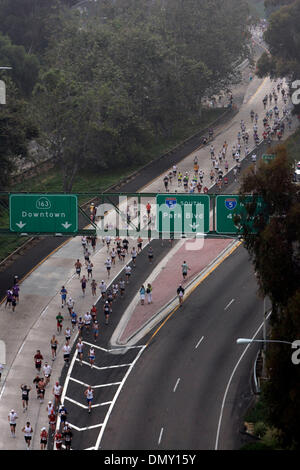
[121, 75]
[276, 256]
[282, 37]
[16, 130]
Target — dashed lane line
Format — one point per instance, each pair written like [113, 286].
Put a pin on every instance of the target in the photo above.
[160, 436]
[176, 385]
[228, 305]
[200, 341]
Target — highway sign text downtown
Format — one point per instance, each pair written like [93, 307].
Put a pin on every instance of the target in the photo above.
[38, 213]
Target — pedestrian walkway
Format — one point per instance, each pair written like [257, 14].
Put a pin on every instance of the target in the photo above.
[32, 325]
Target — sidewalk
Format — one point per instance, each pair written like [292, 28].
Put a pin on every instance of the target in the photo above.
[31, 327]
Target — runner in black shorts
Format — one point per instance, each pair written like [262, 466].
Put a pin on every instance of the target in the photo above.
[25, 396]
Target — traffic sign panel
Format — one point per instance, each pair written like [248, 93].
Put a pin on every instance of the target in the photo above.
[184, 213]
[230, 206]
[38, 213]
[268, 158]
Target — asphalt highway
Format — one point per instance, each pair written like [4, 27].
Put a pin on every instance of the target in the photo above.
[173, 397]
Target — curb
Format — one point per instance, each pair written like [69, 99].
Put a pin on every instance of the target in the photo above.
[169, 306]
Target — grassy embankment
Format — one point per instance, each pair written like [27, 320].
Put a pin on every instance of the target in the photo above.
[88, 181]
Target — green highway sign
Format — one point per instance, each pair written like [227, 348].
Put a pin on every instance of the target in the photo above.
[38, 213]
[268, 158]
[229, 206]
[182, 213]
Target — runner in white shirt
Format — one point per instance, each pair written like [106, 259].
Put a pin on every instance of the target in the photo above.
[66, 351]
[57, 390]
[28, 431]
[89, 393]
[70, 304]
[49, 408]
[80, 347]
[108, 266]
[12, 417]
[107, 241]
[47, 372]
[68, 334]
[87, 320]
[133, 255]
[103, 289]
[127, 273]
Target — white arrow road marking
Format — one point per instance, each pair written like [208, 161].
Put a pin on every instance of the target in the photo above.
[20, 224]
[66, 225]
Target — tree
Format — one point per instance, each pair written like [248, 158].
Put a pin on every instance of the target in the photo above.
[275, 252]
[282, 37]
[29, 23]
[16, 131]
[25, 67]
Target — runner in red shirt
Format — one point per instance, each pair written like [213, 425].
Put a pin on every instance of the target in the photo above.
[148, 208]
[38, 360]
[58, 440]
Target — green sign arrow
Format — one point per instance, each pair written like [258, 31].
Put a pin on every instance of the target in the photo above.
[182, 213]
[228, 207]
[38, 213]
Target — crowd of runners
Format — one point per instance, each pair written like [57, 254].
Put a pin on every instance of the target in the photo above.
[274, 124]
[117, 252]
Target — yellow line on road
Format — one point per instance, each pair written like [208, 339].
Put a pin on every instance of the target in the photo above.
[258, 89]
[194, 287]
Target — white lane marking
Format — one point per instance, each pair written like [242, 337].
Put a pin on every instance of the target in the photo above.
[2, 391]
[176, 385]
[104, 368]
[126, 347]
[229, 383]
[95, 346]
[94, 386]
[200, 340]
[99, 438]
[85, 406]
[160, 435]
[44, 311]
[228, 305]
[84, 429]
